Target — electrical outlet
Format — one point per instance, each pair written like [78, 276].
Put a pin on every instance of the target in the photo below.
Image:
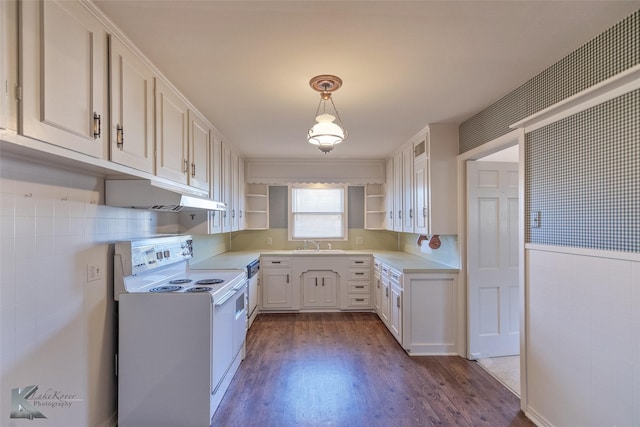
[359, 240]
[269, 241]
[93, 273]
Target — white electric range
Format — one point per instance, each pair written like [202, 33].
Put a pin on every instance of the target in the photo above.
[181, 333]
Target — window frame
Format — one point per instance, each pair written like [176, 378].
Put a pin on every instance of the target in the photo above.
[345, 212]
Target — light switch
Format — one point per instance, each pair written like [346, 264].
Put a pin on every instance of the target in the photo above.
[536, 219]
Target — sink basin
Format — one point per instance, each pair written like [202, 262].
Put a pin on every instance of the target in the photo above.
[319, 252]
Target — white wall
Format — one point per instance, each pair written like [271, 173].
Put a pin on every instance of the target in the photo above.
[583, 337]
[57, 329]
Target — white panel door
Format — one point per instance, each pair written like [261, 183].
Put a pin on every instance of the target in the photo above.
[492, 258]
[131, 109]
[171, 135]
[64, 86]
[199, 152]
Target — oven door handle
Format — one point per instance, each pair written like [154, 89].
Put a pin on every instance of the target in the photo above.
[238, 286]
[226, 297]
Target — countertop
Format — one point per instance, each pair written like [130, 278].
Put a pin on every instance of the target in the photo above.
[401, 261]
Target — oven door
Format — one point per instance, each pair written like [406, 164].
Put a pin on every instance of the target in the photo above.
[240, 318]
[222, 339]
[229, 332]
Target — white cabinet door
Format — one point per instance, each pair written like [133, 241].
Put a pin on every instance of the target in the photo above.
[199, 152]
[215, 218]
[385, 296]
[227, 188]
[131, 137]
[277, 289]
[397, 192]
[235, 202]
[407, 190]
[421, 192]
[63, 76]
[171, 134]
[319, 289]
[242, 222]
[395, 324]
[9, 64]
[389, 195]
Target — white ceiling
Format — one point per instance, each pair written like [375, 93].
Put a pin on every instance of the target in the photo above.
[246, 64]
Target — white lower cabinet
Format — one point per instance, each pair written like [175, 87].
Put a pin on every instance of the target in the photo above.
[395, 321]
[429, 317]
[277, 284]
[319, 289]
[385, 295]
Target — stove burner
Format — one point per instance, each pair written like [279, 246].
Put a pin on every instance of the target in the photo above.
[180, 281]
[166, 288]
[209, 281]
[199, 289]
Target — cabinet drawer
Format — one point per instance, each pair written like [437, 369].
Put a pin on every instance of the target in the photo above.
[359, 274]
[275, 262]
[359, 301]
[360, 262]
[359, 287]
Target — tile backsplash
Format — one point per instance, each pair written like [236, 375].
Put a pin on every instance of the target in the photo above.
[57, 328]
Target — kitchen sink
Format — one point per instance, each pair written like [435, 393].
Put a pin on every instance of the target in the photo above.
[318, 251]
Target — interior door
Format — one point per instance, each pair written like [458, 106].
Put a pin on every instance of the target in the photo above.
[492, 227]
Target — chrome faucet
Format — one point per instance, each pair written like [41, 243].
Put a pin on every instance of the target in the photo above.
[314, 243]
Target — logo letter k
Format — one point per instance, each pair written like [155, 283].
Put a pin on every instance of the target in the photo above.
[20, 406]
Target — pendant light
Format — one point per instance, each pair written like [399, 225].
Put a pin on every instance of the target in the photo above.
[326, 134]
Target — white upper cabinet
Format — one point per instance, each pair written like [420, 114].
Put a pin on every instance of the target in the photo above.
[8, 64]
[398, 192]
[131, 136]
[172, 147]
[424, 183]
[407, 194]
[199, 158]
[64, 85]
[421, 190]
[390, 195]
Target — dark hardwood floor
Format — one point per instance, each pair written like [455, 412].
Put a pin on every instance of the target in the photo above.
[345, 369]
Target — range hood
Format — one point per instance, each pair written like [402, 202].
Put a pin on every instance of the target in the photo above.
[146, 194]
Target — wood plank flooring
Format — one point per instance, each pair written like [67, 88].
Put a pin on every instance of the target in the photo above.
[345, 369]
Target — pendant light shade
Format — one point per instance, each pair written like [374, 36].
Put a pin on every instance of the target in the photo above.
[326, 134]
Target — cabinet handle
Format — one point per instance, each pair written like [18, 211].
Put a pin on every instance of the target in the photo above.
[276, 262]
[359, 262]
[398, 302]
[97, 125]
[316, 281]
[287, 278]
[186, 166]
[386, 292]
[378, 282]
[359, 286]
[390, 214]
[193, 170]
[400, 214]
[410, 213]
[359, 299]
[323, 281]
[240, 213]
[119, 137]
[424, 212]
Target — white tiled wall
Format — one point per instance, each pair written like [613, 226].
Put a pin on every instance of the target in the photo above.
[583, 349]
[56, 327]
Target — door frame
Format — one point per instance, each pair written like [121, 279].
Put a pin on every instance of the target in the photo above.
[500, 143]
